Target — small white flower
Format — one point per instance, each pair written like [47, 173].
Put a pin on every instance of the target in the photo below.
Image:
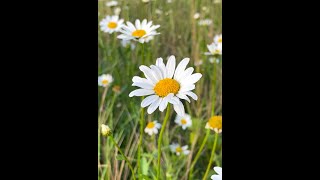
[166, 84]
[196, 15]
[179, 150]
[117, 11]
[214, 49]
[205, 22]
[158, 11]
[218, 170]
[111, 24]
[141, 32]
[111, 3]
[152, 128]
[105, 80]
[198, 63]
[217, 1]
[145, 1]
[184, 121]
[169, 1]
[105, 130]
[217, 39]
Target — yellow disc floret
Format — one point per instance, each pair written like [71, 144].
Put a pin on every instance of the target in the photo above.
[150, 125]
[139, 33]
[112, 25]
[166, 86]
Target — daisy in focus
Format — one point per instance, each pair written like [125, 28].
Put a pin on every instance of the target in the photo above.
[183, 121]
[176, 148]
[214, 49]
[166, 84]
[141, 31]
[152, 128]
[105, 80]
[215, 123]
[111, 24]
[217, 176]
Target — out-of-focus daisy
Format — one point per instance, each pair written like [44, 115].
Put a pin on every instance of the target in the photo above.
[105, 80]
[196, 15]
[215, 123]
[179, 150]
[214, 49]
[184, 121]
[145, 1]
[169, 1]
[166, 84]
[152, 128]
[198, 63]
[217, 176]
[105, 130]
[111, 24]
[205, 22]
[217, 39]
[214, 60]
[217, 1]
[117, 11]
[158, 11]
[111, 3]
[126, 43]
[140, 31]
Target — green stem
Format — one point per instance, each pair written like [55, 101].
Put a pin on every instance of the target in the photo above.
[212, 155]
[142, 53]
[199, 152]
[125, 158]
[160, 140]
[140, 141]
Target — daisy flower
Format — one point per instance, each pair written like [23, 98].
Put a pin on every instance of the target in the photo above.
[215, 123]
[214, 49]
[179, 150]
[217, 176]
[217, 39]
[105, 130]
[105, 80]
[152, 128]
[205, 22]
[184, 121]
[196, 15]
[111, 24]
[166, 84]
[139, 32]
[111, 3]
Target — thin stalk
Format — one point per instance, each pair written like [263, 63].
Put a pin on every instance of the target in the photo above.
[140, 141]
[212, 155]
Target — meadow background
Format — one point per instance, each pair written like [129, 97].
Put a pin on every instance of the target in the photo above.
[182, 36]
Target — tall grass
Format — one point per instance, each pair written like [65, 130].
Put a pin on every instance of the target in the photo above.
[180, 36]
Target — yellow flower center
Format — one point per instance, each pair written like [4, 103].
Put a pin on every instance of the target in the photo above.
[183, 121]
[112, 25]
[220, 40]
[215, 122]
[105, 82]
[139, 33]
[166, 86]
[178, 149]
[150, 125]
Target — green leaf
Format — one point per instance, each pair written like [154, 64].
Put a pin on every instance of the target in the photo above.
[144, 166]
[120, 157]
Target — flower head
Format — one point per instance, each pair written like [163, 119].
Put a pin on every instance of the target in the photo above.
[105, 130]
[166, 84]
[205, 22]
[217, 39]
[141, 32]
[218, 170]
[183, 121]
[111, 24]
[152, 128]
[196, 15]
[111, 3]
[215, 123]
[214, 49]
[105, 80]
[176, 148]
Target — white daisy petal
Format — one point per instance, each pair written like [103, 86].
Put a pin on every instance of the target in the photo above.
[157, 72]
[183, 96]
[148, 73]
[185, 74]
[179, 108]
[142, 80]
[184, 147]
[216, 177]
[161, 65]
[144, 23]
[191, 94]
[218, 170]
[174, 100]
[181, 67]
[154, 106]
[137, 23]
[192, 79]
[143, 85]
[171, 64]
[149, 100]
[141, 92]
[187, 88]
[186, 152]
[164, 102]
